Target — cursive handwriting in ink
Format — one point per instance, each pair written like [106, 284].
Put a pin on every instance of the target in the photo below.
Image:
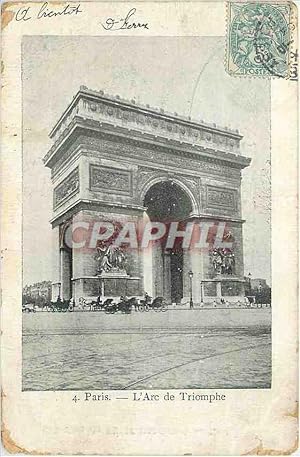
[124, 24]
[45, 12]
[22, 14]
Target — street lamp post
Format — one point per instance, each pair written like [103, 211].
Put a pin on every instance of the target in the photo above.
[59, 289]
[191, 274]
[201, 293]
[249, 278]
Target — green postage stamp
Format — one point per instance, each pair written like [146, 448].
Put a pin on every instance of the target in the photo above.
[260, 39]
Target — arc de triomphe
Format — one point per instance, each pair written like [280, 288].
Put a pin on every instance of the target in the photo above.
[117, 160]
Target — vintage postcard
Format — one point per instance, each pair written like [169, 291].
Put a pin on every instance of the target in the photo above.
[149, 235]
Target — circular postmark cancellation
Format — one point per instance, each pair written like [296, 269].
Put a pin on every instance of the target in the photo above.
[259, 39]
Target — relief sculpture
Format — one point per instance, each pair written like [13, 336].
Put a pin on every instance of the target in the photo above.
[221, 197]
[110, 179]
[223, 261]
[110, 258]
[69, 186]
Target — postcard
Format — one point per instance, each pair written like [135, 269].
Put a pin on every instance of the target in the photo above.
[149, 232]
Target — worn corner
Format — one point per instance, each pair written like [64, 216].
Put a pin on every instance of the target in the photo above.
[9, 444]
[6, 14]
[13, 448]
[260, 450]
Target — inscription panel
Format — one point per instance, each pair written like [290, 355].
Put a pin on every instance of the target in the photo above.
[66, 189]
[110, 180]
[219, 197]
[210, 289]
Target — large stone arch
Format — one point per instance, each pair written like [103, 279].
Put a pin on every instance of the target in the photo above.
[181, 182]
[107, 154]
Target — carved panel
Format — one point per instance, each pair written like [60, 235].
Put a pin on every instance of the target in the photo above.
[110, 180]
[67, 188]
[193, 185]
[164, 157]
[152, 153]
[146, 174]
[219, 197]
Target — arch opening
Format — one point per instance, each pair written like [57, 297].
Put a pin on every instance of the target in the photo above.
[166, 202]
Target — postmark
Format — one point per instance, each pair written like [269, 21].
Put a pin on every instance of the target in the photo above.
[260, 39]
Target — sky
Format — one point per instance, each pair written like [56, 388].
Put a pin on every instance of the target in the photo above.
[179, 74]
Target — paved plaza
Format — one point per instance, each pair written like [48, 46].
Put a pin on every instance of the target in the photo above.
[176, 349]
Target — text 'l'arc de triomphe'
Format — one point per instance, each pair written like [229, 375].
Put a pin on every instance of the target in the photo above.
[116, 160]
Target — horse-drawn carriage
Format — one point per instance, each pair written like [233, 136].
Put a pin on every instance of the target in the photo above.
[85, 304]
[60, 306]
[147, 304]
[124, 305]
[109, 306]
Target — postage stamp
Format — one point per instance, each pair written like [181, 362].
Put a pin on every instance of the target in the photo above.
[260, 39]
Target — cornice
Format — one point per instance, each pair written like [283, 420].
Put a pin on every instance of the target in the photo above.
[80, 126]
[94, 205]
[130, 121]
[206, 216]
[159, 113]
[104, 206]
